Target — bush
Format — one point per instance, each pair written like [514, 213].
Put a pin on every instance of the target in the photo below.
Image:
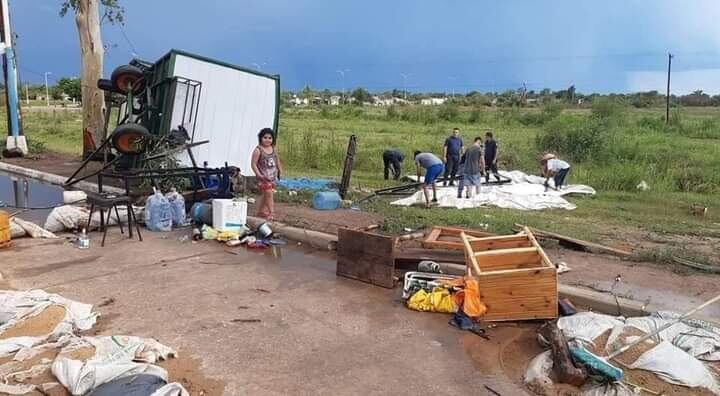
[391, 113]
[608, 109]
[578, 138]
[448, 112]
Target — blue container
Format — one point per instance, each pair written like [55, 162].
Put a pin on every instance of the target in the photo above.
[326, 200]
[201, 213]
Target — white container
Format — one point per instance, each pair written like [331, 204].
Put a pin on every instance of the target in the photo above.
[229, 214]
[71, 197]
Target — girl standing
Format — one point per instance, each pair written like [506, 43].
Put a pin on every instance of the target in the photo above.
[267, 168]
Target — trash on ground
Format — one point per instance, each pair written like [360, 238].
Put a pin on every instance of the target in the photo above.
[229, 214]
[158, 212]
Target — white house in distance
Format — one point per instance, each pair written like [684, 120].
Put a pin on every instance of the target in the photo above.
[335, 100]
[433, 101]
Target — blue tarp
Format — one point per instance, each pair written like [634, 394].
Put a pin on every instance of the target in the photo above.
[304, 183]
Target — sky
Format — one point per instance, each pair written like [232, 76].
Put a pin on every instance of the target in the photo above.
[422, 45]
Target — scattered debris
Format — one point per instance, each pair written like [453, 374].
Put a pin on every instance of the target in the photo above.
[246, 320]
[261, 290]
[576, 243]
[106, 302]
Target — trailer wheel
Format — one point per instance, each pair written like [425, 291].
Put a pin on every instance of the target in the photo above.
[130, 138]
[126, 76]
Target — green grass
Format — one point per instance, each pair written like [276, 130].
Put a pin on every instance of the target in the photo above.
[611, 148]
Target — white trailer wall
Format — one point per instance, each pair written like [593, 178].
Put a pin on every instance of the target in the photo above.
[234, 105]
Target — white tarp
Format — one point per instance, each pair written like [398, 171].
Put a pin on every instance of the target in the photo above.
[525, 192]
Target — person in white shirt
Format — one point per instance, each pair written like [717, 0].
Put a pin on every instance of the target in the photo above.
[555, 168]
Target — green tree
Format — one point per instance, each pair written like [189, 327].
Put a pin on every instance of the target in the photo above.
[361, 95]
[68, 86]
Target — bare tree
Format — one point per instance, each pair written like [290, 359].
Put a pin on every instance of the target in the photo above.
[88, 20]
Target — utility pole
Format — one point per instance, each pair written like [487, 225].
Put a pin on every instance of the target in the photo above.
[27, 95]
[405, 77]
[47, 91]
[667, 96]
[16, 142]
[452, 88]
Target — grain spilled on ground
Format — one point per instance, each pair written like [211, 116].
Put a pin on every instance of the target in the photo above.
[39, 325]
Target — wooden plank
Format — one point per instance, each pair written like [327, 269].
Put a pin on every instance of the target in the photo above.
[508, 242]
[452, 237]
[506, 252]
[470, 256]
[546, 259]
[366, 257]
[518, 260]
[579, 242]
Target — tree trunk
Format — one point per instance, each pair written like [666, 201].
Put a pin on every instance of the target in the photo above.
[87, 18]
[563, 365]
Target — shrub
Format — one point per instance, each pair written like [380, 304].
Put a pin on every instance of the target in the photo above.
[391, 113]
[448, 112]
[608, 110]
[578, 138]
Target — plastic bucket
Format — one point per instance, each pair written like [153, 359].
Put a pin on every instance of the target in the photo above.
[4, 229]
[202, 213]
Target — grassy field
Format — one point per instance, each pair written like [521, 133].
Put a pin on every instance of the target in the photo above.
[611, 147]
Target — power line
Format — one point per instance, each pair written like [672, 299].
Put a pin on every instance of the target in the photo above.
[127, 39]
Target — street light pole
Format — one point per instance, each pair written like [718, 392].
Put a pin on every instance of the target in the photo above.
[47, 91]
[342, 74]
[405, 77]
[452, 88]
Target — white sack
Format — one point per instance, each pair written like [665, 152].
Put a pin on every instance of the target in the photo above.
[115, 357]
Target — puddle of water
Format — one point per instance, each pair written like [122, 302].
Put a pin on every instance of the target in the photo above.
[23, 192]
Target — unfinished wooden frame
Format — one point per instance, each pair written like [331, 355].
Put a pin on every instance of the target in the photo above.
[517, 280]
[449, 238]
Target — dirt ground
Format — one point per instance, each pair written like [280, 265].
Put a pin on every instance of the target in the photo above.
[257, 323]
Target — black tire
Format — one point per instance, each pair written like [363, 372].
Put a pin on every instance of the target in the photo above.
[130, 138]
[127, 75]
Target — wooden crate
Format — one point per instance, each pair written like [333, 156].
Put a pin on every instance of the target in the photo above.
[517, 280]
[366, 257]
[449, 238]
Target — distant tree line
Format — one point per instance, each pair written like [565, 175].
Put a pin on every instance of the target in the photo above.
[520, 97]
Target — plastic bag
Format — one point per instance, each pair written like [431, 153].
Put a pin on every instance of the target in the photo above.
[439, 300]
[177, 206]
[158, 216]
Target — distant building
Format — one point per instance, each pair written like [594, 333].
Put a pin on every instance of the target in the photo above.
[335, 100]
[433, 101]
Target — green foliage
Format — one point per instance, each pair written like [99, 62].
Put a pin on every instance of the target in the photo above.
[69, 86]
[578, 139]
[448, 112]
[391, 113]
[113, 12]
[361, 95]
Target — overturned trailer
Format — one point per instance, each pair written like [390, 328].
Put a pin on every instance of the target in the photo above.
[228, 108]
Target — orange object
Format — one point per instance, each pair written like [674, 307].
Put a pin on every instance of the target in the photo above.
[4, 229]
[471, 305]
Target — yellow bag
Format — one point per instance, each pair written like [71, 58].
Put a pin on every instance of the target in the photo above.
[439, 300]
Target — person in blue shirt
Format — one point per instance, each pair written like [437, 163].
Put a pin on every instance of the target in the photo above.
[452, 150]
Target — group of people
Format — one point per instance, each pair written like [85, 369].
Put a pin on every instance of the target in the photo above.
[466, 165]
[470, 164]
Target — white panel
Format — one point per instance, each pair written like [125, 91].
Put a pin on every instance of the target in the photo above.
[234, 106]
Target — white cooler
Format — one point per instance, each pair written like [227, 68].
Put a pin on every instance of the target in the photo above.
[229, 214]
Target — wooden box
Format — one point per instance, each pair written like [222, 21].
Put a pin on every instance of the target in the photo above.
[517, 280]
[366, 257]
[449, 237]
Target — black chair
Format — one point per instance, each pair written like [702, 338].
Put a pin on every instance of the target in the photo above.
[110, 202]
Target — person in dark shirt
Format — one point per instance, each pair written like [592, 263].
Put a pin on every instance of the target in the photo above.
[391, 160]
[452, 150]
[491, 155]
